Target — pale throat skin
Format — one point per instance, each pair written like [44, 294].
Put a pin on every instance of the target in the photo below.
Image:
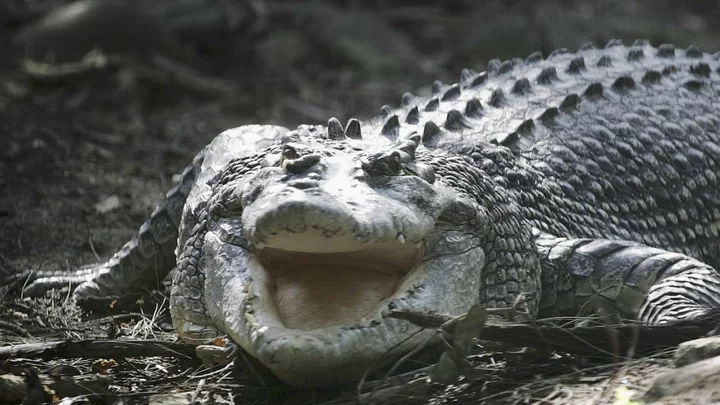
[310, 247]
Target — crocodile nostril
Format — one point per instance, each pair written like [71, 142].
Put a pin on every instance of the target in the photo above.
[303, 184]
[301, 164]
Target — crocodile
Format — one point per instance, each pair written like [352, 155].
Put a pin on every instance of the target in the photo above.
[580, 182]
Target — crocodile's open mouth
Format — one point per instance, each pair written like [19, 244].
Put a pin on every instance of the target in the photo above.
[313, 290]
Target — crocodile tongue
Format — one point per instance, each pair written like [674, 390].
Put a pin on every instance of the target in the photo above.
[316, 290]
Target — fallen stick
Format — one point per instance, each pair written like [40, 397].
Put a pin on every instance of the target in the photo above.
[586, 340]
[98, 349]
[13, 388]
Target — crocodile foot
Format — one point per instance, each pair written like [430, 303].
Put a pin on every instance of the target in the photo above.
[222, 351]
[517, 312]
[34, 283]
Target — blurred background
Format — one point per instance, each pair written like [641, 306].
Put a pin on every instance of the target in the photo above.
[304, 61]
[102, 102]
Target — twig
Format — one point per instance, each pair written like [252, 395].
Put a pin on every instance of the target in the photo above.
[581, 339]
[14, 328]
[98, 349]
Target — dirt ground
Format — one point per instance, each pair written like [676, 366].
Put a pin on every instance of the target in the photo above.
[85, 158]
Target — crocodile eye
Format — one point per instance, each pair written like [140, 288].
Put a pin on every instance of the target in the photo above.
[289, 152]
[389, 164]
[393, 163]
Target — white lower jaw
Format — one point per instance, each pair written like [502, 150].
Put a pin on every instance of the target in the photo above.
[330, 353]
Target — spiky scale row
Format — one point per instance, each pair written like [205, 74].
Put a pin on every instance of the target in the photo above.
[577, 65]
[521, 87]
[413, 116]
[453, 93]
[651, 77]
[406, 99]
[505, 67]
[526, 127]
[587, 46]
[557, 52]
[431, 134]
[458, 120]
[493, 65]
[694, 85]
[391, 127]
[479, 79]
[352, 129]
[594, 90]
[433, 104]
[604, 61]
[335, 130]
[623, 83]
[467, 75]
[570, 102]
[473, 108]
[635, 54]
[668, 70]
[548, 116]
[666, 51]
[547, 75]
[497, 98]
[641, 42]
[701, 69]
[693, 52]
[534, 57]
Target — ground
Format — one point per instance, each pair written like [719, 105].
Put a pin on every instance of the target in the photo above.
[84, 159]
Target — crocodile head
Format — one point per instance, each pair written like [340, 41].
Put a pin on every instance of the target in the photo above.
[311, 242]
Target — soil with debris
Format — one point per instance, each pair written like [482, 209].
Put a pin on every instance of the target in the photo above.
[88, 148]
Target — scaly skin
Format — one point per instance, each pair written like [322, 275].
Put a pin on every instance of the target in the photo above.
[585, 181]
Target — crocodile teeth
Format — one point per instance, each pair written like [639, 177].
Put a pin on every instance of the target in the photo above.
[259, 245]
[401, 238]
[249, 318]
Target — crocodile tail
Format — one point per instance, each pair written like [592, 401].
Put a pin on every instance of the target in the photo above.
[141, 264]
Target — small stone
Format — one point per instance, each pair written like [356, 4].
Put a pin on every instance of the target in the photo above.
[685, 380]
[108, 204]
[695, 350]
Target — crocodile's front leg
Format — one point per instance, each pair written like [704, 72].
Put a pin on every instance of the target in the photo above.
[148, 257]
[142, 262]
[581, 276]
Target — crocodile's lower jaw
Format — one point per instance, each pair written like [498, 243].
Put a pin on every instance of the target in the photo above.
[242, 303]
[341, 289]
